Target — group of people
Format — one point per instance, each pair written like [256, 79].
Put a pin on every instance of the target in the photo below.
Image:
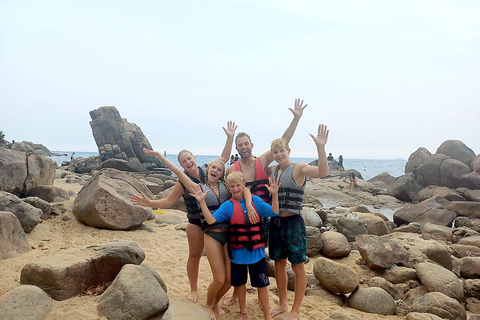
[229, 217]
[330, 162]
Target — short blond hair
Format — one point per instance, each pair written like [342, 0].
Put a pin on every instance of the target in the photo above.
[235, 176]
[281, 143]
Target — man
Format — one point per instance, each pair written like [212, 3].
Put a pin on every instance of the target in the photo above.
[254, 168]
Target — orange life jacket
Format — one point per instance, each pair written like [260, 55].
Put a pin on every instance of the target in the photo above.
[243, 234]
[257, 186]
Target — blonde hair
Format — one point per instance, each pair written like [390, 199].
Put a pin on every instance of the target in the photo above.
[235, 176]
[182, 152]
[222, 178]
[281, 142]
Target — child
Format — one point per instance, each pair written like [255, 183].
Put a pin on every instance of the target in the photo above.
[288, 237]
[246, 240]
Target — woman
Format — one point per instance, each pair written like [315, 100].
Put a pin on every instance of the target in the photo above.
[215, 237]
[195, 235]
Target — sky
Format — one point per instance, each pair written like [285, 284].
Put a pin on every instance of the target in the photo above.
[386, 77]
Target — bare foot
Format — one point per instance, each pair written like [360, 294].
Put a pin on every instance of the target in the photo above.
[294, 315]
[230, 301]
[242, 316]
[278, 310]
[209, 310]
[193, 296]
[219, 311]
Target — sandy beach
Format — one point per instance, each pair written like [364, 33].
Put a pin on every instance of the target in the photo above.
[166, 251]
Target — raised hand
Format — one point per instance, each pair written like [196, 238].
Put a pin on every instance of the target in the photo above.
[140, 200]
[231, 127]
[151, 152]
[273, 185]
[322, 135]
[298, 108]
[197, 193]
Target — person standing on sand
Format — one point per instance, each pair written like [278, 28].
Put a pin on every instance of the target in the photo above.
[194, 231]
[253, 168]
[288, 236]
[216, 235]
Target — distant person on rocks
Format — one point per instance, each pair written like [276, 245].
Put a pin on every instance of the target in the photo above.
[195, 235]
[232, 159]
[330, 162]
[236, 156]
[340, 163]
[352, 181]
[287, 233]
[72, 156]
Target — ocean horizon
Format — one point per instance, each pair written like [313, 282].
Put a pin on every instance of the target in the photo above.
[368, 168]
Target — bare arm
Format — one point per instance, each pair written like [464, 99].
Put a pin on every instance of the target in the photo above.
[200, 196]
[297, 111]
[273, 188]
[247, 195]
[321, 170]
[166, 203]
[227, 149]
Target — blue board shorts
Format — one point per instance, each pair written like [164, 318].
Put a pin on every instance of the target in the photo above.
[288, 239]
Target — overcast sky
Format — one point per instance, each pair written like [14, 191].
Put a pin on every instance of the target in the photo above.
[386, 77]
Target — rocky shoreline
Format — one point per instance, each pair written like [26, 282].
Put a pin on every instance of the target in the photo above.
[393, 248]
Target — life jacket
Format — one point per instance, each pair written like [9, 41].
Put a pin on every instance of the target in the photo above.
[257, 186]
[290, 194]
[243, 234]
[193, 208]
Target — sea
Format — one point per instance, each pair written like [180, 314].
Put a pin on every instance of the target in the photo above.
[368, 168]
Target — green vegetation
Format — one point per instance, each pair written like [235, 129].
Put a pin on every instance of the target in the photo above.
[2, 136]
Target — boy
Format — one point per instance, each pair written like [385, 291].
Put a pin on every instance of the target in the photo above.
[246, 240]
[288, 238]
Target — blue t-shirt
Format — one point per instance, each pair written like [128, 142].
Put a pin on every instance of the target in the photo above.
[225, 213]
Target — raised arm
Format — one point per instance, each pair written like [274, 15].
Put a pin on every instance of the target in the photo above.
[297, 111]
[273, 189]
[187, 182]
[166, 203]
[320, 140]
[227, 149]
[200, 196]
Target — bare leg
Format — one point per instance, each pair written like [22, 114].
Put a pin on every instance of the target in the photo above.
[282, 282]
[264, 302]
[232, 300]
[300, 285]
[226, 286]
[242, 301]
[195, 249]
[214, 251]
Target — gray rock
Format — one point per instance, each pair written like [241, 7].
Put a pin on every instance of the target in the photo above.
[472, 241]
[184, 310]
[382, 252]
[467, 209]
[134, 294]
[439, 254]
[13, 240]
[372, 300]
[436, 232]
[457, 150]
[422, 214]
[470, 267]
[350, 228]
[472, 195]
[441, 305]
[444, 192]
[472, 288]
[464, 250]
[416, 159]
[28, 215]
[404, 188]
[169, 217]
[475, 165]
[334, 276]
[314, 241]
[104, 202]
[335, 245]
[49, 193]
[399, 274]
[375, 224]
[25, 303]
[342, 315]
[69, 272]
[438, 279]
[422, 316]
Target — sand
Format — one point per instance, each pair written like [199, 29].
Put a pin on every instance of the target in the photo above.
[166, 251]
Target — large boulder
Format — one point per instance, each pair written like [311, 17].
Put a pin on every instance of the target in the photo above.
[429, 172]
[416, 159]
[335, 245]
[49, 193]
[104, 202]
[405, 188]
[131, 165]
[382, 252]
[399, 274]
[25, 303]
[423, 214]
[384, 177]
[134, 294]
[184, 310]
[470, 181]
[470, 267]
[452, 172]
[314, 241]
[374, 223]
[372, 300]
[69, 272]
[475, 165]
[351, 228]
[116, 138]
[436, 232]
[438, 279]
[457, 150]
[13, 240]
[469, 209]
[334, 276]
[84, 165]
[444, 192]
[441, 305]
[28, 215]
[20, 171]
[30, 147]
